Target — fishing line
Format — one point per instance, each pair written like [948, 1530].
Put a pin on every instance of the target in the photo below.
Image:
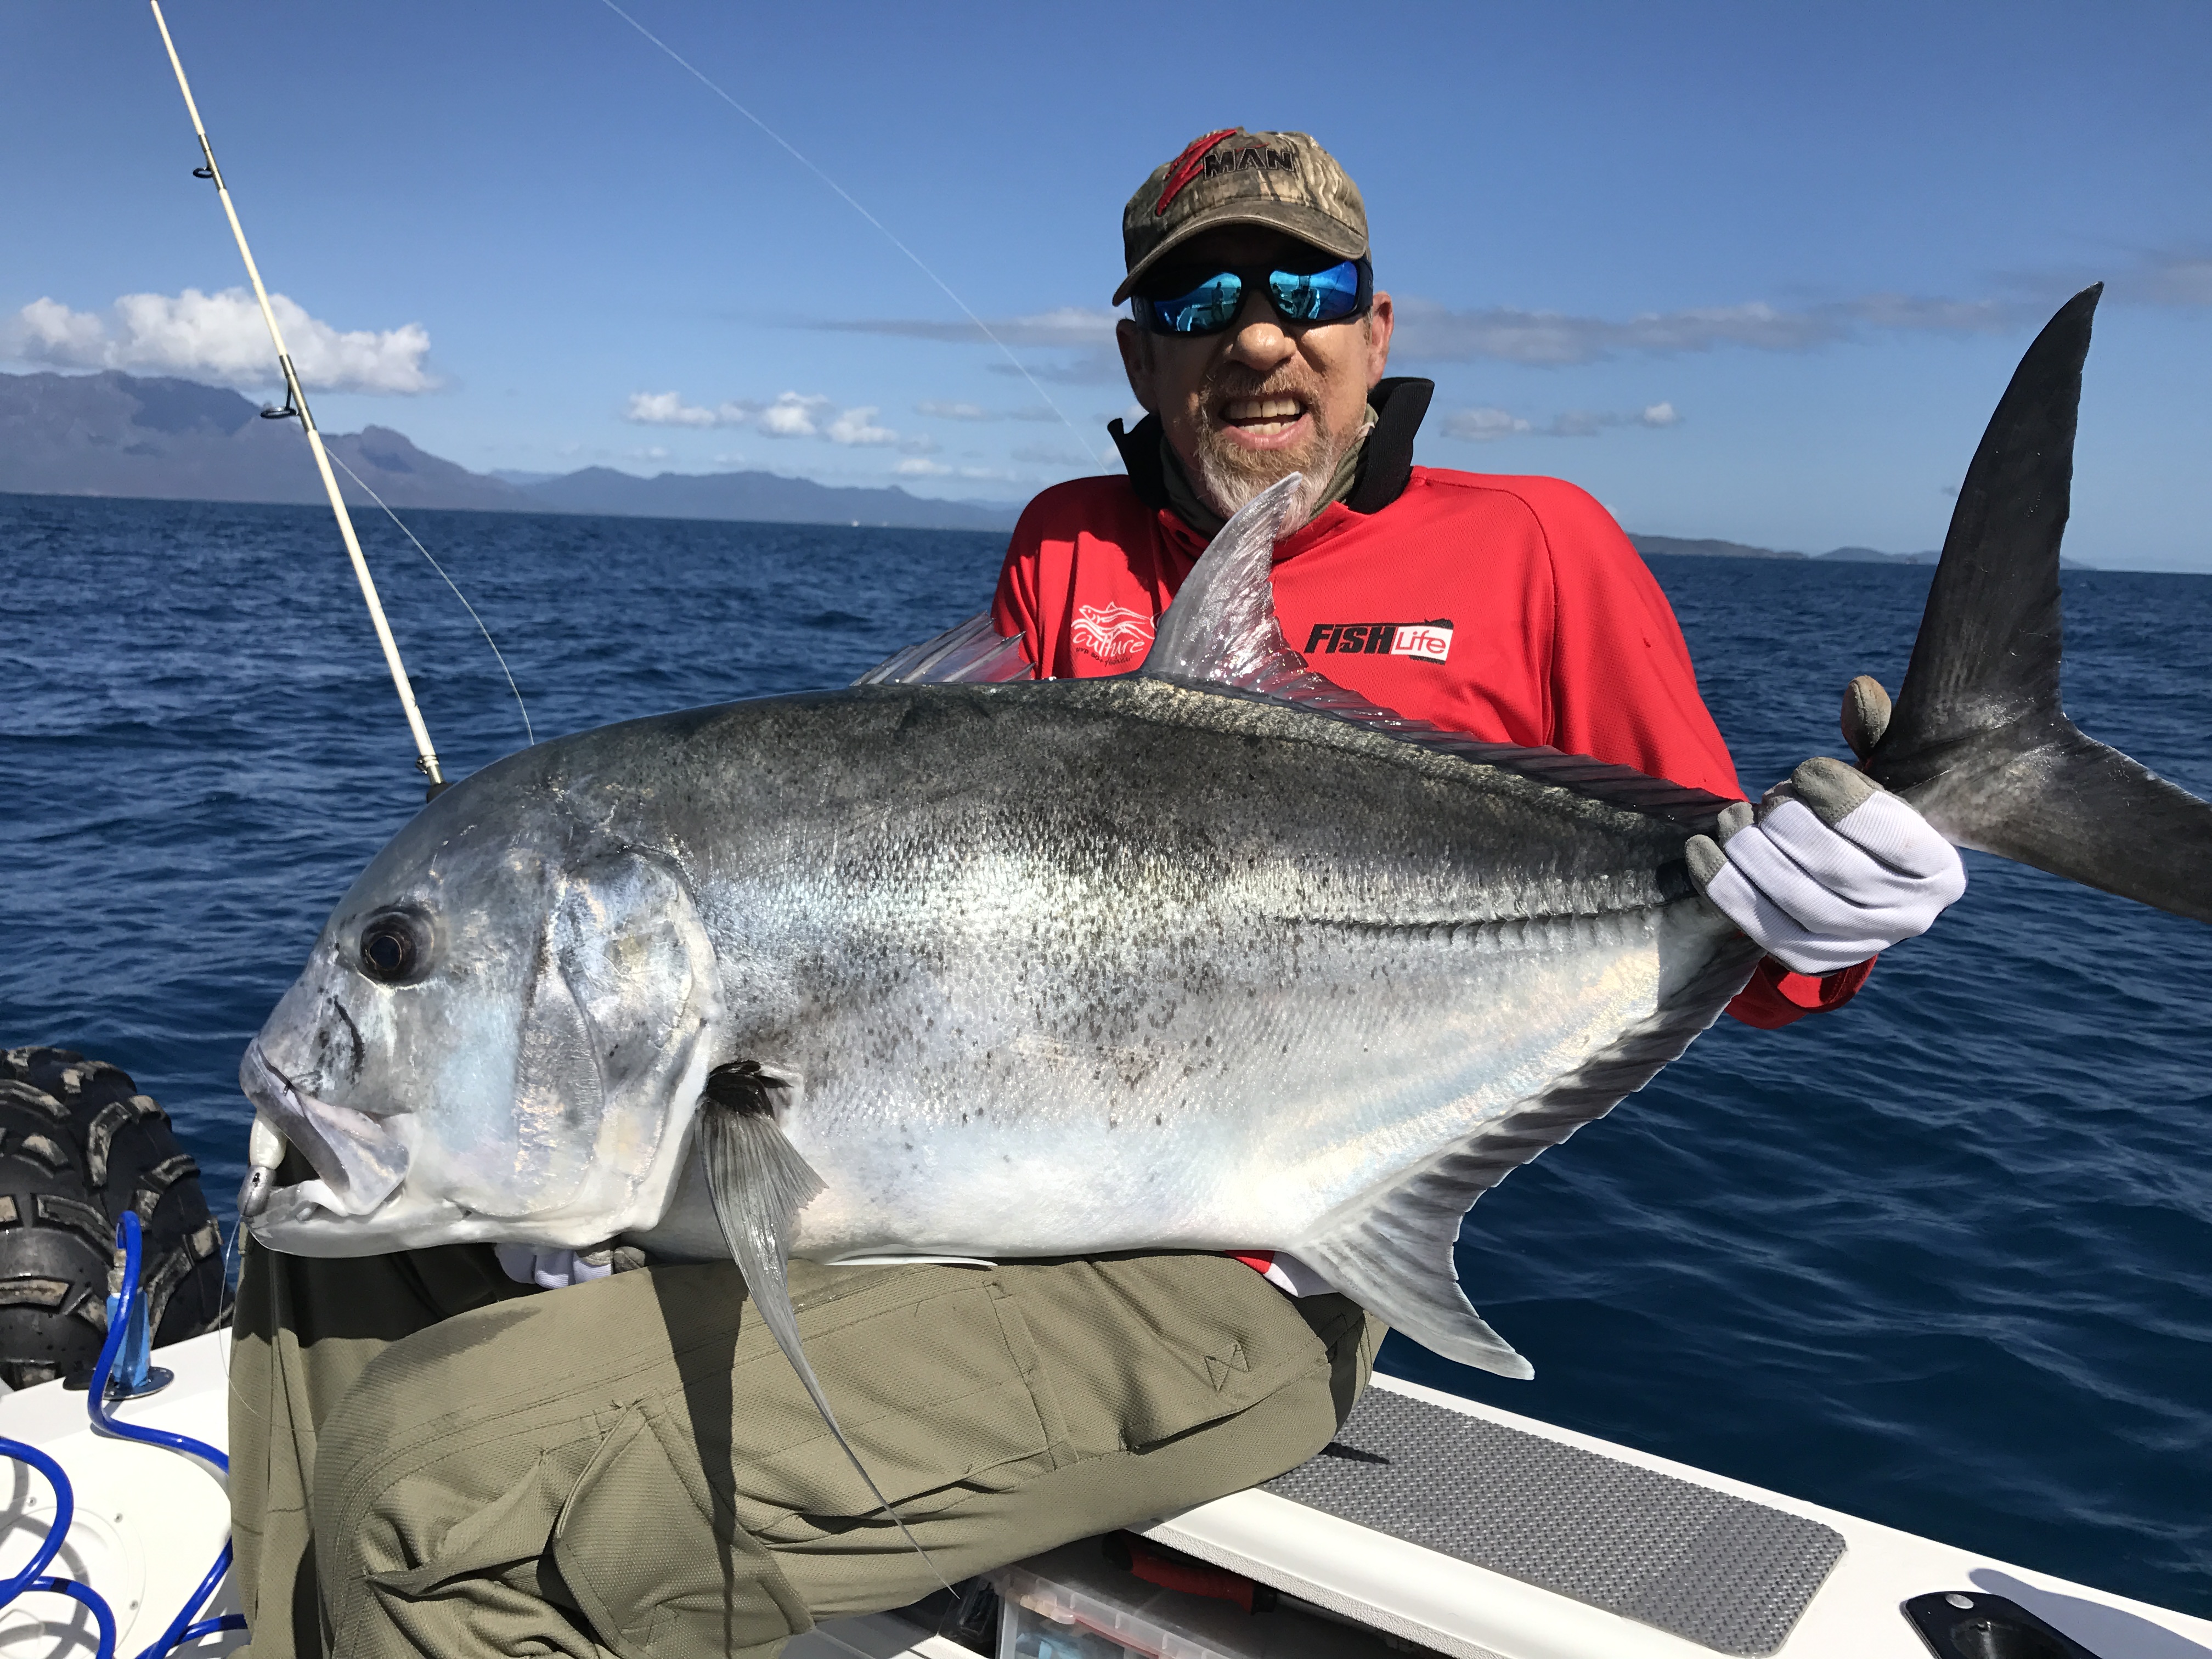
[984, 327]
[458, 594]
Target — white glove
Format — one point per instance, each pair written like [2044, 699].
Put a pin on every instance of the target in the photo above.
[1832, 869]
[555, 1270]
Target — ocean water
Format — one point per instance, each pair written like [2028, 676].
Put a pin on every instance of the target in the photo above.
[1942, 1258]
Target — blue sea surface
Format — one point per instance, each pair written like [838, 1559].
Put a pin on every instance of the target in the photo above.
[1942, 1258]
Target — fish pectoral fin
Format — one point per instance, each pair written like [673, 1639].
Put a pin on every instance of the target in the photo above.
[972, 652]
[759, 1184]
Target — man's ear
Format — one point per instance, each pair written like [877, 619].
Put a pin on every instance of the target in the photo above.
[1137, 363]
[1381, 318]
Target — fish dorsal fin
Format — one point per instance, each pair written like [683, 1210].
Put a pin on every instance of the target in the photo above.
[1222, 633]
[1221, 629]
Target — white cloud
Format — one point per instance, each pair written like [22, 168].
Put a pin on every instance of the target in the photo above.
[220, 339]
[1488, 425]
[915, 467]
[2176, 280]
[1065, 325]
[858, 425]
[1481, 426]
[55, 334]
[1100, 366]
[791, 415]
[668, 408]
[1052, 455]
[1552, 339]
[942, 410]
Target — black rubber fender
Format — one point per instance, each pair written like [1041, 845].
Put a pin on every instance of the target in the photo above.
[80, 1145]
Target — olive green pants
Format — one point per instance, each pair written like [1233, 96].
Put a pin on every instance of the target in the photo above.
[427, 1459]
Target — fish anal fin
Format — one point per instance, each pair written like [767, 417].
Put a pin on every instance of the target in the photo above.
[1397, 1273]
[1391, 1251]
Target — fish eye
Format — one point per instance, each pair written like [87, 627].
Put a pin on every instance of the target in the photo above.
[391, 948]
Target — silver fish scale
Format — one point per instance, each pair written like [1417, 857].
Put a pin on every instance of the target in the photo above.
[1052, 967]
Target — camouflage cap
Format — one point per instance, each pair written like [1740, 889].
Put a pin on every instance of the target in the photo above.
[1282, 180]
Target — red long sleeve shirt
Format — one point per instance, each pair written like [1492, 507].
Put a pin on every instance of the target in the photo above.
[1512, 608]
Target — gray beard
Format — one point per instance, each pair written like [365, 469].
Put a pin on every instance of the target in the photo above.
[1225, 484]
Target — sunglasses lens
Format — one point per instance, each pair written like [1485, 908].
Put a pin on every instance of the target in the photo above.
[1206, 309]
[1321, 296]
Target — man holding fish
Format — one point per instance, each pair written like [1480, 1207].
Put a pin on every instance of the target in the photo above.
[431, 1456]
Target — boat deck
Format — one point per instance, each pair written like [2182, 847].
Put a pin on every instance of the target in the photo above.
[1465, 1530]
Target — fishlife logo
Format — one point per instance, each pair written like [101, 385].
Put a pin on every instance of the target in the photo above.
[1431, 642]
[1110, 633]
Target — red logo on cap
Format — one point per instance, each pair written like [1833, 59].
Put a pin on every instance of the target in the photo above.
[1187, 165]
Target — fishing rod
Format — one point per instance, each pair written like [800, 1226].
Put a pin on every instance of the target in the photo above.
[296, 406]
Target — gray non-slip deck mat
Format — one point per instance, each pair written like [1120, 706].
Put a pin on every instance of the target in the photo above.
[1702, 1564]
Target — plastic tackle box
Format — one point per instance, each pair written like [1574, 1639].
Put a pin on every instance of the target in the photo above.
[1073, 1603]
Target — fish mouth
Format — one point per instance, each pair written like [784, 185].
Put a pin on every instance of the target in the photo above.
[358, 1162]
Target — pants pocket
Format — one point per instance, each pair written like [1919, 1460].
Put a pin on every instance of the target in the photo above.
[939, 1396]
[655, 1564]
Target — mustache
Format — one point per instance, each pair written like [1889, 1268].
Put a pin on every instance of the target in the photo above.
[1229, 383]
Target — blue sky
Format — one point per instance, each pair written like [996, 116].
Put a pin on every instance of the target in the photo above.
[1819, 235]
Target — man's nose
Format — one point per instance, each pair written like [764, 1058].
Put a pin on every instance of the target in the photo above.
[1260, 342]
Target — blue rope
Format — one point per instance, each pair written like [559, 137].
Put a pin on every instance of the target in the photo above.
[101, 1613]
[127, 1235]
[64, 1512]
[181, 1629]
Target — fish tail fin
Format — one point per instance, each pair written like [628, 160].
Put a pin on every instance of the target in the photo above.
[759, 1184]
[1978, 741]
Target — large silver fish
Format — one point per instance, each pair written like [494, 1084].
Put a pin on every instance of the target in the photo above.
[1209, 956]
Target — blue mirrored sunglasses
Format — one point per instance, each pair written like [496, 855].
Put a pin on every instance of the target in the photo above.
[1210, 305]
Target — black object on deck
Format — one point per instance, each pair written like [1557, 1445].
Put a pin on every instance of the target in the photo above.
[79, 1146]
[1969, 1625]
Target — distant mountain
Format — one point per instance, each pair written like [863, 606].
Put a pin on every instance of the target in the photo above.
[764, 497]
[1868, 556]
[112, 434]
[1677, 545]
[1706, 549]
[119, 434]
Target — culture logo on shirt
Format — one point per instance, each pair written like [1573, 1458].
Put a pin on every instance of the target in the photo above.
[1110, 633]
[1430, 641]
